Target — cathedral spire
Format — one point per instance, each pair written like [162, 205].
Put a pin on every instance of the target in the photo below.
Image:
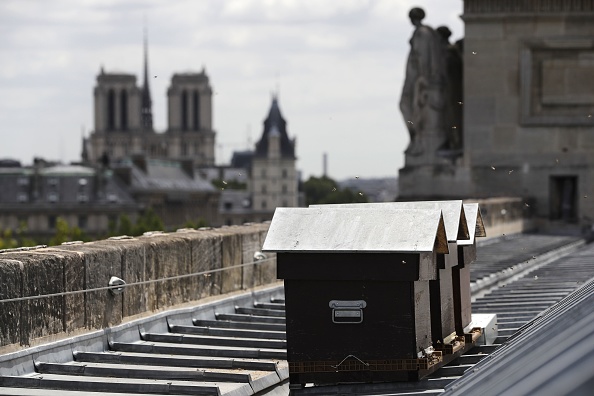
[147, 104]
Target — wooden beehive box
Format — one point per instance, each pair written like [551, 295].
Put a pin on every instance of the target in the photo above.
[357, 291]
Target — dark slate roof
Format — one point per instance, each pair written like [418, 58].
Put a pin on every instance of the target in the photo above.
[275, 121]
[235, 201]
[242, 159]
[9, 163]
[59, 185]
[168, 176]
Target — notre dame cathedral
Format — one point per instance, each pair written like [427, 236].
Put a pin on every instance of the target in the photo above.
[124, 119]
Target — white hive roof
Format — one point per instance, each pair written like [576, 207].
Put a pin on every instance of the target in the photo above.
[360, 229]
[474, 219]
[453, 216]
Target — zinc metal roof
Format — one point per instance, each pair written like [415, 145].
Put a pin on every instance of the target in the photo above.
[551, 355]
[358, 229]
[453, 215]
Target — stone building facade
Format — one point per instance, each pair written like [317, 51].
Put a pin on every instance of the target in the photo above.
[124, 119]
[119, 130]
[528, 110]
[272, 175]
[33, 198]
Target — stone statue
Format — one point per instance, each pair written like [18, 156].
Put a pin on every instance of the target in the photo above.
[453, 103]
[422, 101]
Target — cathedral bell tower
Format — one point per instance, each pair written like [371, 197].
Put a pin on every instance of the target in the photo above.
[189, 99]
[274, 176]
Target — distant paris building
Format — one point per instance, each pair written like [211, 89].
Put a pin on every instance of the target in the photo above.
[272, 175]
[124, 119]
[32, 198]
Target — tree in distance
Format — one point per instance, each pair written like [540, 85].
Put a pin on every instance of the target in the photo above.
[324, 190]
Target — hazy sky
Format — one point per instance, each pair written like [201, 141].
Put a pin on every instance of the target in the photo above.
[338, 64]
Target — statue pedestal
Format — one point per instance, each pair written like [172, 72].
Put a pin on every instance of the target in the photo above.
[434, 181]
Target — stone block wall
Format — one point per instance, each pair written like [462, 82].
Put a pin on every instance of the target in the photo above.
[527, 103]
[506, 215]
[152, 257]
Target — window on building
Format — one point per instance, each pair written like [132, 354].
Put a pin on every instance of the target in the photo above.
[228, 205]
[284, 188]
[22, 197]
[184, 150]
[196, 110]
[229, 222]
[51, 222]
[264, 189]
[82, 197]
[184, 110]
[111, 110]
[82, 222]
[52, 197]
[263, 173]
[284, 173]
[285, 203]
[23, 181]
[563, 198]
[263, 204]
[124, 110]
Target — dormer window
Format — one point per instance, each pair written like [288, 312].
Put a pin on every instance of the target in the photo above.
[22, 197]
[52, 197]
[23, 181]
[82, 197]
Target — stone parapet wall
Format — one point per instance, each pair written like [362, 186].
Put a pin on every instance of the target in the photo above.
[505, 215]
[144, 260]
